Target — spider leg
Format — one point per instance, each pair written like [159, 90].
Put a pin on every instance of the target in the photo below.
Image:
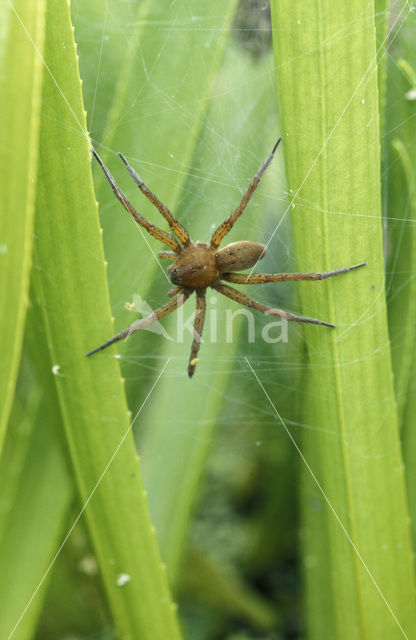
[167, 255]
[201, 307]
[164, 310]
[176, 226]
[174, 291]
[157, 233]
[241, 298]
[228, 224]
[262, 278]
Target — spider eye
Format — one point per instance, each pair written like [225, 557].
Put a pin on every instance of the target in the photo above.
[174, 276]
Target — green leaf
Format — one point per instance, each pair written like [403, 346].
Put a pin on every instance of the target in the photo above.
[381, 21]
[70, 286]
[400, 200]
[39, 493]
[328, 103]
[42, 489]
[402, 288]
[20, 90]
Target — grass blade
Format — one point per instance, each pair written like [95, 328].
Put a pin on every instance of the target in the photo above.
[90, 392]
[329, 111]
[42, 498]
[400, 204]
[20, 90]
[400, 210]
[37, 487]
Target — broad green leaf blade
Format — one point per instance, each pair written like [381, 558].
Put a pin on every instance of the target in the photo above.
[34, 526]
[37, 487]
[402, 280]
[20, 89]
[400, 192]
[328, 103]
[381, 21]
[409, 445]
[71, 287]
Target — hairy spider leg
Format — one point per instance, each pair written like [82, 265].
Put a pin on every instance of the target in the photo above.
[167, 255]
[164, 310]
[241, 298]
[174, 291]
[201, 307]
[157, 233]
[262, 278]
[228, 224]
[174, 224]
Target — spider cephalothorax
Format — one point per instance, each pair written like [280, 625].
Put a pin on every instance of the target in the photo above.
[201, 265]
[198, 266]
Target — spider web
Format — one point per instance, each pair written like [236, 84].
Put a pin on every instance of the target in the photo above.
[197, 148]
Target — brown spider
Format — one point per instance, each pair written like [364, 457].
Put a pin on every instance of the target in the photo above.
[198, 266]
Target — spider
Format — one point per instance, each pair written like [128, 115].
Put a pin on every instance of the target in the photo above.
[197, 266]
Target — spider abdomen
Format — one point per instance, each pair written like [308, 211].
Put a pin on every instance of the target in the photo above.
[195, 267]
[239, 255]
